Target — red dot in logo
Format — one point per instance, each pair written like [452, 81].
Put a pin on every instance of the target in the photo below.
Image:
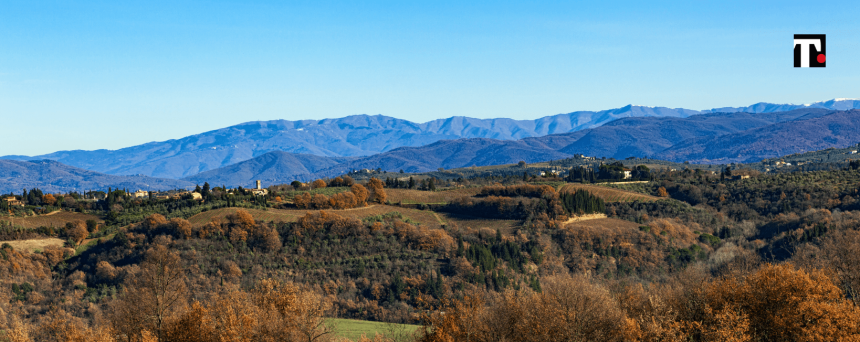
[821, 58]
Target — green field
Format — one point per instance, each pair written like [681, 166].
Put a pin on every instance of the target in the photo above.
[353, 329]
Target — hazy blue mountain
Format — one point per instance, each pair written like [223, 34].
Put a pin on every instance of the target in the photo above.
[363, 135]
[715, 138]
[809, 133]
[276, 167]
[52, 176]
[646, 136]
[357, 135]
[764, 107]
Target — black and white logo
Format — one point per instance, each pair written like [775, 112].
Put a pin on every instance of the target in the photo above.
[810, 51]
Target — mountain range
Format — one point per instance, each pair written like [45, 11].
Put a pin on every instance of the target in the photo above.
[707, 138]
[357, 135]
[280, 150]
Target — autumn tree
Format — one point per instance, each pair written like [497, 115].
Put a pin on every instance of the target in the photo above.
[77, 231]
[49, 199]
[288, 311]
[152, 297]
[153, 221]
[318, 184]
[377, 191]
[181, 227]
[783, 303]
[360, 193]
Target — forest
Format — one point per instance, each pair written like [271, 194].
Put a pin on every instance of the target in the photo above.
[718, 257]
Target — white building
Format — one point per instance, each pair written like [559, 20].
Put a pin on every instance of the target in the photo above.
[628, 174]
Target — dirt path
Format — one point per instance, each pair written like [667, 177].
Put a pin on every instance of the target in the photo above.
[438, 218]
[359, 208]
[585, 218]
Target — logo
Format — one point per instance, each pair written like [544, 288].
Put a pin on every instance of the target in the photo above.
[810, 51]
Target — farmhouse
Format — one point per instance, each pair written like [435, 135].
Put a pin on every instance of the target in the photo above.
[140, 194]
[12, 201]
[628, 173]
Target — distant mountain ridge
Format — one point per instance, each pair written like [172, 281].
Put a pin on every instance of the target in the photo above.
[353, 136]
[708, 138]
[52, 176]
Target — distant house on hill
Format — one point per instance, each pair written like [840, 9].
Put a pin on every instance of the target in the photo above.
[141, 194]
[12, 201]
[196, 196]
[628, 173]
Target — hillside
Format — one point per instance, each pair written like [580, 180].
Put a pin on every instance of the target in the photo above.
[498, 238]
[646, 136]
[52, 176]
[274, 167]
[840, 129]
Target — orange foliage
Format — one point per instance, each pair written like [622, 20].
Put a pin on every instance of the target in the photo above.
[182, 227]
[153, 221]
[77, 231]
[49, 199]
[318, 184]
[377, 191]
[345, 200]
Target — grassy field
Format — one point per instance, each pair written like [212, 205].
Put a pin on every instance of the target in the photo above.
[406, 196]
[610, 194]
[353, 329]
[55, 219]
[34, 244]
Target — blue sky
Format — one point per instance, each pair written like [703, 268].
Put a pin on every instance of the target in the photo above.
[90, 75]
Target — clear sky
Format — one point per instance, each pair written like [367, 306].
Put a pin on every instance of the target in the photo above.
[112, 74]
